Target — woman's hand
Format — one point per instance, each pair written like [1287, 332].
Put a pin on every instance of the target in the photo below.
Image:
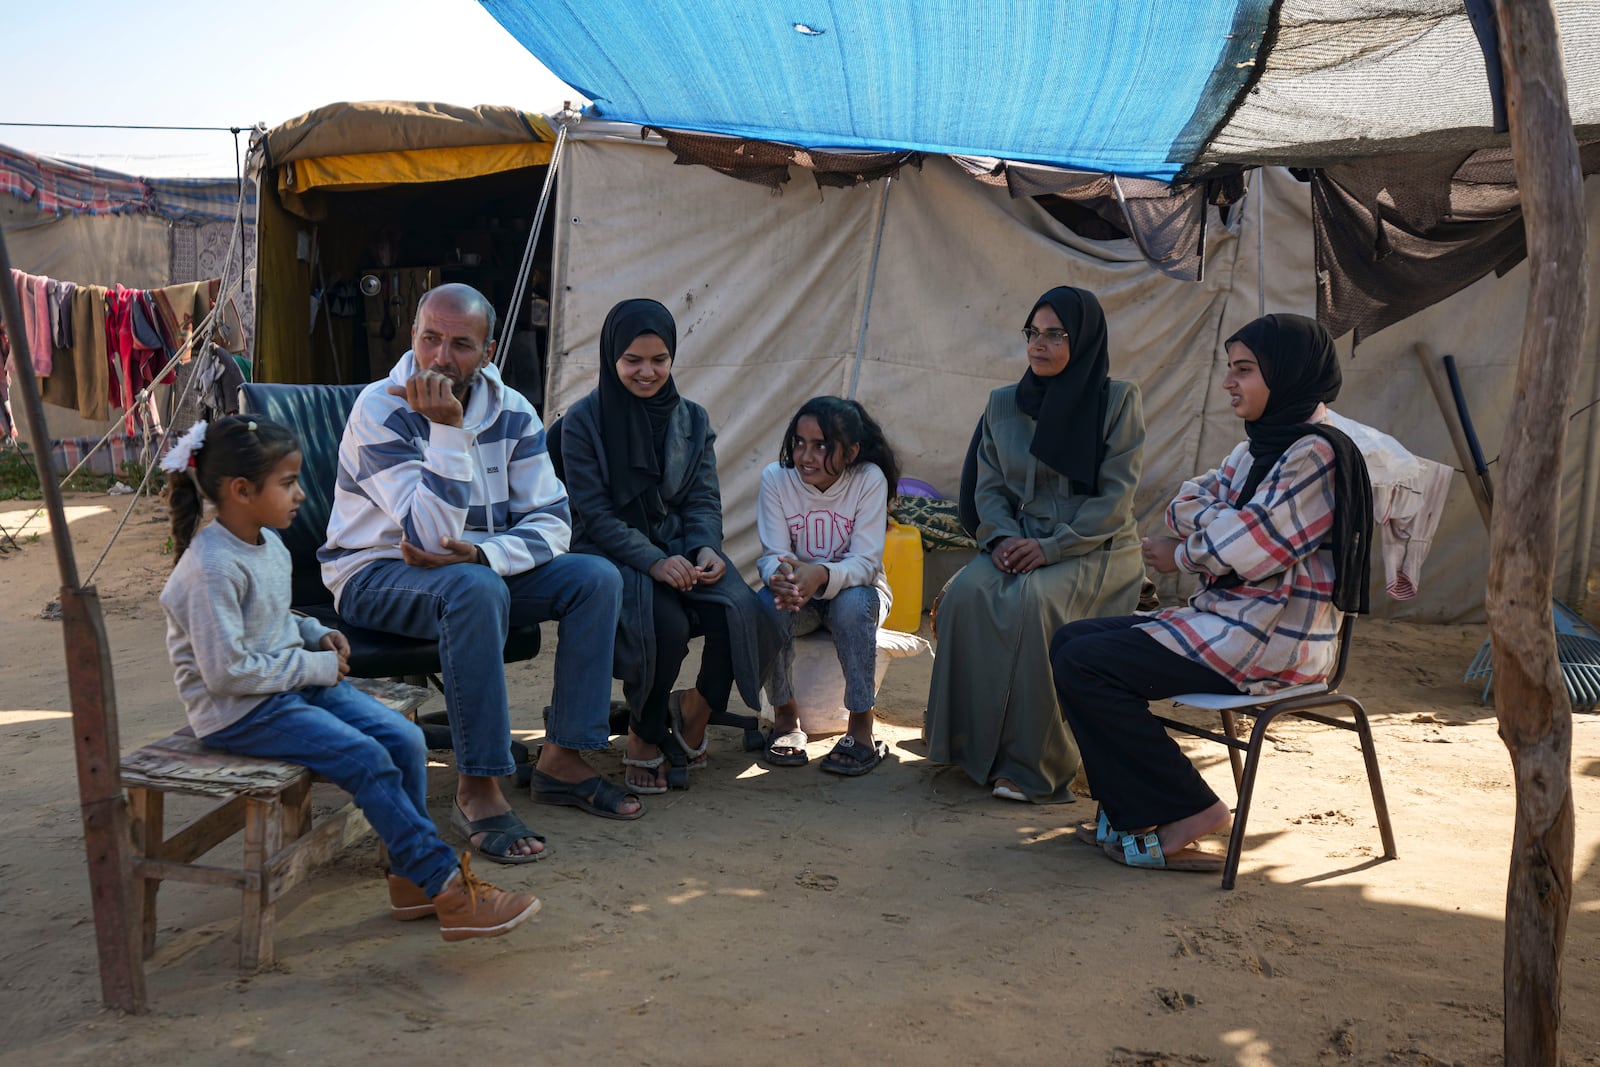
[1018, 555]
[711, 566]
[674, 571]
[786, 584]
[809, 580]
[1160, 553]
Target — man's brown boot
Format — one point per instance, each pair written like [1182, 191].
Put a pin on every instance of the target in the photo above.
[407, 900]
[471, 907]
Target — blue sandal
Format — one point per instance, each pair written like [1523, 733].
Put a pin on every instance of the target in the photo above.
[1097, 833]
[1144, 851]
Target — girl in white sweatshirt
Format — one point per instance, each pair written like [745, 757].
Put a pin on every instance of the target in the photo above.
[823, 519]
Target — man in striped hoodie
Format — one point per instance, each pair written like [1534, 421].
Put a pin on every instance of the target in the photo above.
[449, 524]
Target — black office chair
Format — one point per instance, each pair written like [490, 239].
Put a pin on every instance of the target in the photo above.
[677, 763]
[317, 414]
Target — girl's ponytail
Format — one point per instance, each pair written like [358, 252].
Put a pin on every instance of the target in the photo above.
[183, 501]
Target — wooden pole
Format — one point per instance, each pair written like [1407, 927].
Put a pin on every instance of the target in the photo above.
[94, 707]
[1530, 699]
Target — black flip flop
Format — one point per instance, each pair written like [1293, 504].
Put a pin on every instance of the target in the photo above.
[499, 832]
[846, 757]
[596, 795]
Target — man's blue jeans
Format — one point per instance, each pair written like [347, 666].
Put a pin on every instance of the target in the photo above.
[374, 754]
[852, 619]
[469, 610]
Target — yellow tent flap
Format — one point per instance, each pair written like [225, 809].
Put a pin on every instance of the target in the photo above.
[413, 165]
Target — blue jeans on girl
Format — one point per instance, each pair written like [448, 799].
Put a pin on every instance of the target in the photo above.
[852, 619]
[376, 755]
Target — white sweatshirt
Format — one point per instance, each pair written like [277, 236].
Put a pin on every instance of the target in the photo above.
[844, 527]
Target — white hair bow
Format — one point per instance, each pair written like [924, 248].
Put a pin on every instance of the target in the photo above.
[181, 455]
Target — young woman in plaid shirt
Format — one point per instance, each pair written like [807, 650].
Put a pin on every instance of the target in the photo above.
[1279, 538]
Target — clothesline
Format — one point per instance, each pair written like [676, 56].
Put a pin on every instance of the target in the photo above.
[95, 348]
[228, 286]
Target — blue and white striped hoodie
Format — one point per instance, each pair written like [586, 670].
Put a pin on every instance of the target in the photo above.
[489, 482]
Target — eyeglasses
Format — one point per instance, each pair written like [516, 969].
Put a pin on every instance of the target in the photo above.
[1051, 337]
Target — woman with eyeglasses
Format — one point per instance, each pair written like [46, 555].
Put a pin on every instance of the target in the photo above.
[1058, 461]
[823, 521]
[640, 468]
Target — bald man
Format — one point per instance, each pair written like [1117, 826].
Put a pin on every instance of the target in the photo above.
[449, 524]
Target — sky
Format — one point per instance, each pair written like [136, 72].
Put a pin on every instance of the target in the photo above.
[223, 63]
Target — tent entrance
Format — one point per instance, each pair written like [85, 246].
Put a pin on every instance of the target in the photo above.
[339, 288]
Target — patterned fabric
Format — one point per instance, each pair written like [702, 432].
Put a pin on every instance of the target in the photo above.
[934, 519]
[107, 459]
[200, 199]
[60, 187]
[1279, 628]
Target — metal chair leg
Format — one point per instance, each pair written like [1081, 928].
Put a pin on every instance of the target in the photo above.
[1230, 724]
[1247, 786]
[1369, 754]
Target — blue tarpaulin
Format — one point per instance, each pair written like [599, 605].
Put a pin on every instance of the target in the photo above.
[1129, 87]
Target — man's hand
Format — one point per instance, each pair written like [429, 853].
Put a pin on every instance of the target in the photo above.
[1160, 553]
[1018, 555]
[431, 395]
[338, 643]
[711, 566]
[674, 571]
[453, 552]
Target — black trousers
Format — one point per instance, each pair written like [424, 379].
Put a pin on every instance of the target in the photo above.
[677, 620]
[1106, 673]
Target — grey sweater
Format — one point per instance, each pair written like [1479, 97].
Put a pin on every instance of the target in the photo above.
[231, 636]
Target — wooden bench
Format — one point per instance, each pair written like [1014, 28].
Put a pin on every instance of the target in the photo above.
[270, 801]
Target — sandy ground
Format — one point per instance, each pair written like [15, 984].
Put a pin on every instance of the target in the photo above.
[789, 917]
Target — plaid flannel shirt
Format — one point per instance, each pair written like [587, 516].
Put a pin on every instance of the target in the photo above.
[1279, 628]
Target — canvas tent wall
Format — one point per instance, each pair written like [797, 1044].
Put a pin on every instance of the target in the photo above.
[380, 188]
[768, 291]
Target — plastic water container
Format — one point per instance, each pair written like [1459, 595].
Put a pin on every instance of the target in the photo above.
[902, 563]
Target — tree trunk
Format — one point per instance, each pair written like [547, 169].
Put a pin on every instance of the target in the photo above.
[1530, 697]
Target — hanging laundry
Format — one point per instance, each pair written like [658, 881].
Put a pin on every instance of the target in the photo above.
[90, 352]
[61, 312]
[33, 295]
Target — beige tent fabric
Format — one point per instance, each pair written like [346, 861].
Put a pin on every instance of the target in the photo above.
[347, 129]
[768, 291]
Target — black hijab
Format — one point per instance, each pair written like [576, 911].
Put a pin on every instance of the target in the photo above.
[1070, 408]
[634, 430]
[1301, 370]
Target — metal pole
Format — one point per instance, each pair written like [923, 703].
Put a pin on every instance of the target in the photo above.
[568, 116]
[872, 278]
[94, 705]
[1261, 240]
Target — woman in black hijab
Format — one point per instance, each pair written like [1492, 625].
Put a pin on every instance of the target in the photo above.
[641, 472]
[1058, 459]
[1279, 537]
